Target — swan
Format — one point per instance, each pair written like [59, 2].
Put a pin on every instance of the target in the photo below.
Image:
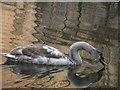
[44, 54]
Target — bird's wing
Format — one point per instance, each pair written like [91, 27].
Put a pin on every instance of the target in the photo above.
[36, 50]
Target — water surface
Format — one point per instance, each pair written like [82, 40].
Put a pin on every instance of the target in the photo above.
[60, 25]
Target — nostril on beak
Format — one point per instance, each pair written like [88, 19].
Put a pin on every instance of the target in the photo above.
[102, 61]
[101, 54]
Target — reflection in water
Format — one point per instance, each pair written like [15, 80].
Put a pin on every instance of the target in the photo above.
[60, 25]
[40, 75]
[32, 69]
[84, 81]
[18, 24]
[43, 71]
[74, 23]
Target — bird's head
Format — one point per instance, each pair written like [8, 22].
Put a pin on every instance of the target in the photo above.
[98, 55]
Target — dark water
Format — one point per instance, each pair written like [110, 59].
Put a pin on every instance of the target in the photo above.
[60, 25]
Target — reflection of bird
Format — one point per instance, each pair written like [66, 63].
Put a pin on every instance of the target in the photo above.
[85, 81]
[44, 54]
[31, 70]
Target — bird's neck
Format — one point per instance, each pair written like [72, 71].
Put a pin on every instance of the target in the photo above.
[74, 54]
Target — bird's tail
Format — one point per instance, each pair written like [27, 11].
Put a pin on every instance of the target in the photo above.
[7, 55]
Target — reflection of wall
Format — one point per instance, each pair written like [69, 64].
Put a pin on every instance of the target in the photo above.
[65, 23]
[61, 24]
[17, 27]
[53, 22]
[18, 24]
[7, 26]
[24, 23]
[7, 22]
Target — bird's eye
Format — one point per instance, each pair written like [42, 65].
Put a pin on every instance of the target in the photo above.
[99, 53]
[89, 52]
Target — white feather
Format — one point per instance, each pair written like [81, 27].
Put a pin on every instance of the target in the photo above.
[52, 50]
[8, 55]
[18, 51]
[52, 61]
[15, 48]
[40, 59]
[60, 61]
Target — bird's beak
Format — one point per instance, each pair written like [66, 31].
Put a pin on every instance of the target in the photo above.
[102, 61]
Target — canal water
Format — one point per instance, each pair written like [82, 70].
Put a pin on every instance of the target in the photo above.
[60, 25]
